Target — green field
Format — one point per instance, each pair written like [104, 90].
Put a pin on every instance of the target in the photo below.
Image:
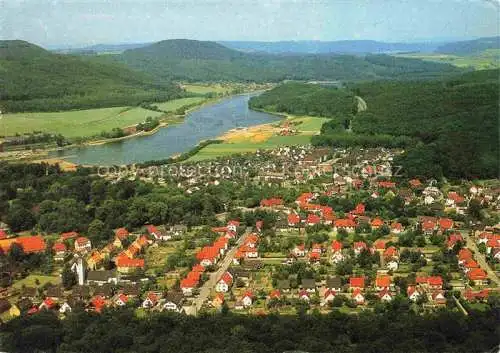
[204, 89]
[31, 279]
[488, 59]
[83, 123]
[307, 127]
[178, 103]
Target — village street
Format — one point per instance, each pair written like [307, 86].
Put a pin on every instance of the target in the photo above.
[471, 244]
[223, 265]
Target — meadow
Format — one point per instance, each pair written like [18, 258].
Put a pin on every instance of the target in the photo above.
[488, 59]
[307, 127]
[84, 123]
[204, 89]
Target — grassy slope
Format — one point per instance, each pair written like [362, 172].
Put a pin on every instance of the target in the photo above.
[82, 123]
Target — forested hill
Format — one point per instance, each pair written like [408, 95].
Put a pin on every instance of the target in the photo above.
[34, 79]
[209, 61]
[470, 46]
[449, 127]
[305, 99]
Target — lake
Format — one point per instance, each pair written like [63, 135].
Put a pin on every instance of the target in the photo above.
[208, 122]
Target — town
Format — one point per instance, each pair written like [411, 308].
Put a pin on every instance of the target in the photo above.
[348, 235]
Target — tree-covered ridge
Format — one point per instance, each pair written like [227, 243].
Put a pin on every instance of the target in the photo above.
[209, 61]
[470, 46]
[33, 79]
[305, 99]
[392, 329]
[456, 120]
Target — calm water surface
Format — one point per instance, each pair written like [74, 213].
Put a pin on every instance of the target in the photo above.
[205, 123]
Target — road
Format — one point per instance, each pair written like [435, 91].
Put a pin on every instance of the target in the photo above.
[471, 244]
[223, 265]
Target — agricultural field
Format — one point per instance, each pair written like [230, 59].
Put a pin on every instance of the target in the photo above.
[488, 59]
[262, 137]
[175, 104]
[30, 281]
[204, 89]
[84, 123]
[78, 123]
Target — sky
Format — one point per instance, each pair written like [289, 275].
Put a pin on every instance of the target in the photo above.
[56, 23]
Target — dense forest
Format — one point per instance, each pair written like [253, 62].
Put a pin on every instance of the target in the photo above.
[34, 79]
[394, 328]
[306, 99]
[191, 60]
[448, 127]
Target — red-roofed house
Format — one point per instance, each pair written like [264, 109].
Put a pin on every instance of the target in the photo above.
[150, 301]
[385, 295]
[478, 276]
[379, 245]
[3, 234]
[126, 265]
[31, 245]
[386, 184]
[382, 282]
[121, 300]
[224, 283]
[233, 225]
[69, 235]
[187, 286]
[445, 224]
[454, 199]
[329, 296]
[275, 294]
[356, 283]
[359, 209]
[304, 295]
[463, 255]
[60, 251]
[435, 282]
[413, 293]
[273, 202]
[359, 246]
[259, 225]
[358, 297]
[428, 227]
[247, 299]
[47, 304]
[376, 223]
[391, 253]
[83, 244]
[453, 239]
[396, 228]
[293, 220]
[313, 219]
[98, 303]
[345, 223]
[478, 295]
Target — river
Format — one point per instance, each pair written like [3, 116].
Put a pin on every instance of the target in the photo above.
[207, 122]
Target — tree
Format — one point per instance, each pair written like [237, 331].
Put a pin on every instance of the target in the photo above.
[16, 253]
[68, 278]
[19, 218]
[98, 232]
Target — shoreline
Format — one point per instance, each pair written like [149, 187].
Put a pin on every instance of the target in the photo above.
[42, 155]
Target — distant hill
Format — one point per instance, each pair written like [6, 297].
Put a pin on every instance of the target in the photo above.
[32, 78]
[209, 61]
[321, 47]
[102, 48]
[470, 46]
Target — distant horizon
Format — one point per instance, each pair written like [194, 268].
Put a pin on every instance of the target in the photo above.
[70, 24]
[437, 40]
